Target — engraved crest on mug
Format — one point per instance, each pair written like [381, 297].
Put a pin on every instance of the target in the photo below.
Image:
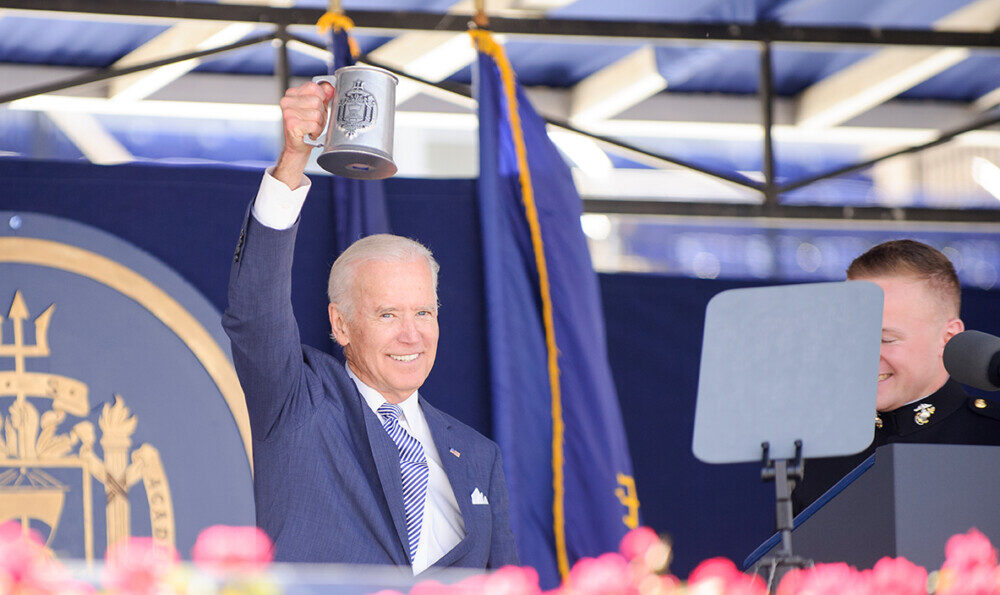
[356, 110]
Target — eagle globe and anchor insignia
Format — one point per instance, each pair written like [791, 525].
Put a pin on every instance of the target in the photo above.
[356, 110]
[34, 443]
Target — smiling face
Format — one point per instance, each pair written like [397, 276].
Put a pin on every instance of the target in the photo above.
[916, 325]
[390, 338]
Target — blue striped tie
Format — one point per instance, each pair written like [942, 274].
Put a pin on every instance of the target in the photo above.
[412, 468]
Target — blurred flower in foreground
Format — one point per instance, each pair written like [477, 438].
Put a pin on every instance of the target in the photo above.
[27, 566]
[509, 580]
[430, 588]
[654, 584]
[226, 550]
[138, 566]
[644, 547]
[720, 575]
[970, 566]
[608, 574]
[898, 576]
[971, 569]
[827, 579]
[968, 551]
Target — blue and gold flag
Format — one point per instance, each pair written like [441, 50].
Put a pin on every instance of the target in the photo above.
[555, 410]
[359, 206]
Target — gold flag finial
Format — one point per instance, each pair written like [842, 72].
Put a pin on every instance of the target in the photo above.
[480, 19]
[334, 18]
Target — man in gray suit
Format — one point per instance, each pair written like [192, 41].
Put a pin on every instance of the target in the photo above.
[352, 464]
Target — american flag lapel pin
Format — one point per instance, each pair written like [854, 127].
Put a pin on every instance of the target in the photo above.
[457, 454]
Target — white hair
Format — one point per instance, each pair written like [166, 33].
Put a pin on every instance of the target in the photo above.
[378, 247]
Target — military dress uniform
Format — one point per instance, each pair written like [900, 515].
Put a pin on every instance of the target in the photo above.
[948, 416]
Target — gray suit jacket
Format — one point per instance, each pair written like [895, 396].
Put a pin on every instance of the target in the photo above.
[326, 474]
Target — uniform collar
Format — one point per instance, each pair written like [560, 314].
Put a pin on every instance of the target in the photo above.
[923, 413]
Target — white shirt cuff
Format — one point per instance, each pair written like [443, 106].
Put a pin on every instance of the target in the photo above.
[277, 206]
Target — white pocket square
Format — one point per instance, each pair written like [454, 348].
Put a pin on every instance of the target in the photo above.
[478, 497]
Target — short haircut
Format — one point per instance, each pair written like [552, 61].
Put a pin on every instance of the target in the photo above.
[377, 247]
[909, 258]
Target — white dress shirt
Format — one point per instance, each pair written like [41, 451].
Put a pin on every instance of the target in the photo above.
[277, 206]
[442, 528]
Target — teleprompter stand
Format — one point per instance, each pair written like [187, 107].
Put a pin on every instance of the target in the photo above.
[777, 365]
[784, 473]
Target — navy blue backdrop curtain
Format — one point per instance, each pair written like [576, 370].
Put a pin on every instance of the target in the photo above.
[189, 217]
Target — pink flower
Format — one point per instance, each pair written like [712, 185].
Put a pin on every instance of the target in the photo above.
[966, 551]
[747, 585]
[720, 568]
[19, 552]
[643, 546]
[898, 576]
[653, 584]
[224, 549]
[608, 574]
[431, 588]
[469, 586]
[509, 580]
[74, 587]
[26, 566]
[791, 583]
[827, 579]
[138, 566]
[981, 580]
[729, 578]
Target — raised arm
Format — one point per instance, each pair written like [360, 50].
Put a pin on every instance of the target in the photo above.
[259, 318]
[303, 111]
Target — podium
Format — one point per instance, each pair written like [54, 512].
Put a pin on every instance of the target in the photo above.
[908, 503]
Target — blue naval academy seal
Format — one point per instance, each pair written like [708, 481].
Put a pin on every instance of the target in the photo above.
[356, 110]
[120, 412]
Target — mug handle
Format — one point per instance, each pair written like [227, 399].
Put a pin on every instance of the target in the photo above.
[332, 81]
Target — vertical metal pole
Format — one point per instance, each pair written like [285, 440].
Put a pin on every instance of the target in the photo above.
[766, 92]
[281, 69]
[282, 72]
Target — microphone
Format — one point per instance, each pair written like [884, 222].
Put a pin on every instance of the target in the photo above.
[973, 358]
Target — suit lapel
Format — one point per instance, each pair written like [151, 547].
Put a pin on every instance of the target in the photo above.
[457, 471]
[386, 457]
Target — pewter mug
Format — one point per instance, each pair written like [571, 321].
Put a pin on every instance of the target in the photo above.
[360, 123]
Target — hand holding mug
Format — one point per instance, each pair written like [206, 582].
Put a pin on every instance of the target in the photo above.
[304, 112]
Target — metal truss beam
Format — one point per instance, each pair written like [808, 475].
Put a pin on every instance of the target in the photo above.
[766, 92]
[789, 212]
[764, 35]
[102, 74]
[627, 31]
[988, 119]
[464, 90]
